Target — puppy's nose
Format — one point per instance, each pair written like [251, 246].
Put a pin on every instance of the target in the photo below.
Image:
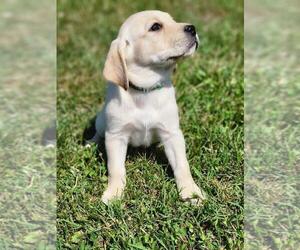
[190, 29]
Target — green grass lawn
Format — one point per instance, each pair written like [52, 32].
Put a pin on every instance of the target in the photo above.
[272, 117]
[27, 106]
[209, 91]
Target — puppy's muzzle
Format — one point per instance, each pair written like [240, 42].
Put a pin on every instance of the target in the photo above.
[191, 30]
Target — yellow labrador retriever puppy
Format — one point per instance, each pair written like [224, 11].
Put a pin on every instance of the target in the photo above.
[140, 106]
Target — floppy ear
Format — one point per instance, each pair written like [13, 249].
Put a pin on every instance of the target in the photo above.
[115, 69]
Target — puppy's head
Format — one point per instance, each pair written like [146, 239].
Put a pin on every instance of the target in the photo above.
[148, 39]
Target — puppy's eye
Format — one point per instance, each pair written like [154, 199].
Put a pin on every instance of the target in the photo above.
[155, 27]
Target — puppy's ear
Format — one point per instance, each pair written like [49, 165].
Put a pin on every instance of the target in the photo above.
[115, 69]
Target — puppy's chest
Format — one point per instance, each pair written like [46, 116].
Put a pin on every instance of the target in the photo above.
[144, 127]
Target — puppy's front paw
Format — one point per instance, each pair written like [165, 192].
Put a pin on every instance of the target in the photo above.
[111, 194]
[192, 193]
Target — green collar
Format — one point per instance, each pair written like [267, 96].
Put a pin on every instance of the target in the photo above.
[146, 90]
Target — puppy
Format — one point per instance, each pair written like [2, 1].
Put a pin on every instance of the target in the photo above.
[140, 107]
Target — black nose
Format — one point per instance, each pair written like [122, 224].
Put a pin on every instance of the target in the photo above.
[190, 29]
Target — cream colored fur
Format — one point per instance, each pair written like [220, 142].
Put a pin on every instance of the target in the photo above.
[145, 58]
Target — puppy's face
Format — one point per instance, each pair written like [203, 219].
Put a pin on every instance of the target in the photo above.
[149, 39]
[155, 39]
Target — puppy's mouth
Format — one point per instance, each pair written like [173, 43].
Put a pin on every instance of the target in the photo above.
[187, 52]
[195, 43]
[175, 57]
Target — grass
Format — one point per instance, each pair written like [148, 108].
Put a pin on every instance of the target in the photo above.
[27, 106]
[209, 91]
[272, 135]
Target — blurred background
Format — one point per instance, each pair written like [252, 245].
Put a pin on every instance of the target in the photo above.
[272, 116]
[27, 107]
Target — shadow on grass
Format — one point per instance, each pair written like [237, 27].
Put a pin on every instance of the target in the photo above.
[154, 152]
